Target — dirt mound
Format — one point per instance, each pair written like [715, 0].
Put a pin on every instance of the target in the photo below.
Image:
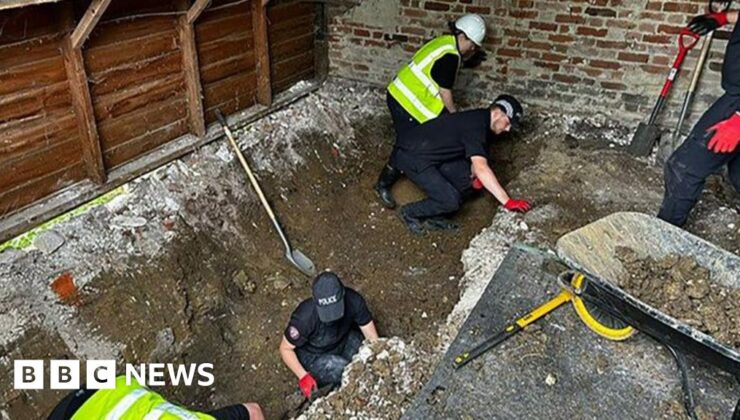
[678, 286]
[382, 379]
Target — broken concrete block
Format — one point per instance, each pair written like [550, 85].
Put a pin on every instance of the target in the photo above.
[48, 242]
[10, 255]
[128, 221]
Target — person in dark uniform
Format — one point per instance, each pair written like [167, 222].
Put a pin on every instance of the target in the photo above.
[713, 142]
[422, 89]
[447, 156]
[134, 401]
[324, 332]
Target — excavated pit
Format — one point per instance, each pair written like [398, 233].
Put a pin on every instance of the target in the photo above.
[202, 279]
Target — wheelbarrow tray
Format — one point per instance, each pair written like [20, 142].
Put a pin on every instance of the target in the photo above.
[592, 249]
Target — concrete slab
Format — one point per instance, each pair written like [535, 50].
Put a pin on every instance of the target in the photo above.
[559, 369]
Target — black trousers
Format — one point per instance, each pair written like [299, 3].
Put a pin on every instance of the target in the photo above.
[446, 185]
[327, 368]
[691, 163]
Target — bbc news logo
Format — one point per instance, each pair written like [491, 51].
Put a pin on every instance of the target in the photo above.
[101, 374]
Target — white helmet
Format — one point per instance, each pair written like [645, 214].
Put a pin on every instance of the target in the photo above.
[473, 26]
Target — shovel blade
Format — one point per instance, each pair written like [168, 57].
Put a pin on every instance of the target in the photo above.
[302, 262]
[644, 139]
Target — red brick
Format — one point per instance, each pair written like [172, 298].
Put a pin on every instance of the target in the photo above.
[432, 5]
[543, 26]
[603, 64]
[633, 57]
[588, 31]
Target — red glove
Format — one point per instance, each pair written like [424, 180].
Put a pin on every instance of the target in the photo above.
[308, 385]
[521, 206]
[726, 135]
[477, 185]
[705, 24]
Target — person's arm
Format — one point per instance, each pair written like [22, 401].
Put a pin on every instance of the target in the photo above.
[732, 16]
[287, 353]
[369, 331]
[483, 172]
[446, 96]
[485, 175]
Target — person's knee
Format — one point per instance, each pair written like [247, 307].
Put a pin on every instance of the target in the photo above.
[255, 411]
[328, 370]
[451, 202]
[734, 173]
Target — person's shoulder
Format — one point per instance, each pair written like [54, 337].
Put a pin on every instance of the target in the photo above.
[353, 297]
[305, 309]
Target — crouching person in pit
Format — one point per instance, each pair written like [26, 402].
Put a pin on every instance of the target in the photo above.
[324, 332]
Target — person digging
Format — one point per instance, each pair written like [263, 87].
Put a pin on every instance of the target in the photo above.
[324, 332]
[448, 158]
[713, 142]
[422, 89]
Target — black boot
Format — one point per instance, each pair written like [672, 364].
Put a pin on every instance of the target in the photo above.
[414, 224]
[387, 178]
[440, 223]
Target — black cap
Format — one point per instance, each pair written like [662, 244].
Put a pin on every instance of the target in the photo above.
[511, 107]
[328, 294]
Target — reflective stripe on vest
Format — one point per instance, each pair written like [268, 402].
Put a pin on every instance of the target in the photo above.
[414, 88]
[132, 402]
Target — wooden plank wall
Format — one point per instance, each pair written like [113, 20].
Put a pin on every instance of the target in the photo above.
[292, 35]
[226, 57]
[136, 81]
[39, 145]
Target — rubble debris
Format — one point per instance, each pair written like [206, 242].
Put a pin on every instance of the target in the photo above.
[48, 242]
[678, 286]
[128, 221]
[380, 382]
[65, 288]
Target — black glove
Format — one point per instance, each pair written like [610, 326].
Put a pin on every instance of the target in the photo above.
[475, 60]
[705, 24]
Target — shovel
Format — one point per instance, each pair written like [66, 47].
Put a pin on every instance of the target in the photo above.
[648, 134]
[296, 257]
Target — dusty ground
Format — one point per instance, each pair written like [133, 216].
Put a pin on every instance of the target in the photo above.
[678, 286]
[204, 278]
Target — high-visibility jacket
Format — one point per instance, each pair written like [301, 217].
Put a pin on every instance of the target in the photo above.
[132, 402]
[414, 88]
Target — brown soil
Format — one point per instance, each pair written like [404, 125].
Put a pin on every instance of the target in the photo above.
[680, 287]
[227, 296]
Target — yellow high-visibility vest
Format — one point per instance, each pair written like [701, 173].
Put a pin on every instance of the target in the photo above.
[414, 88]
[132, 402]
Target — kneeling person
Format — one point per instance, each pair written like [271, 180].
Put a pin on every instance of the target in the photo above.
[448, 157]
[134, 401]
[324, 333]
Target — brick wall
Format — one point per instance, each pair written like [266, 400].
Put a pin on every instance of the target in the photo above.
[608, 56]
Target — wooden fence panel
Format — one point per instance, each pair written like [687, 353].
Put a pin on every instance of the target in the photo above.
[135, 72]
[39, 143]
[226, 59]
[292, 34]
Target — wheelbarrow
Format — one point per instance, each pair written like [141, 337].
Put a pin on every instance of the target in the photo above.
[592, 250]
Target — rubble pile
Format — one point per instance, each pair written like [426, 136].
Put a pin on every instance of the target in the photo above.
[381, 381]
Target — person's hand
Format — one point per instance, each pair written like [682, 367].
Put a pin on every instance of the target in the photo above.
[704, 24]
[520, 206]
[476, 184]
[308, 385]
[726, 135]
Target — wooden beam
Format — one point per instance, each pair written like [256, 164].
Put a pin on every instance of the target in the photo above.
[261, 52]
[79, 88]
[191, 68]
[195, 11]
[89, 20]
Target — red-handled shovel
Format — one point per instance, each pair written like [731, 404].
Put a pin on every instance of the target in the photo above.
[648, 134]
